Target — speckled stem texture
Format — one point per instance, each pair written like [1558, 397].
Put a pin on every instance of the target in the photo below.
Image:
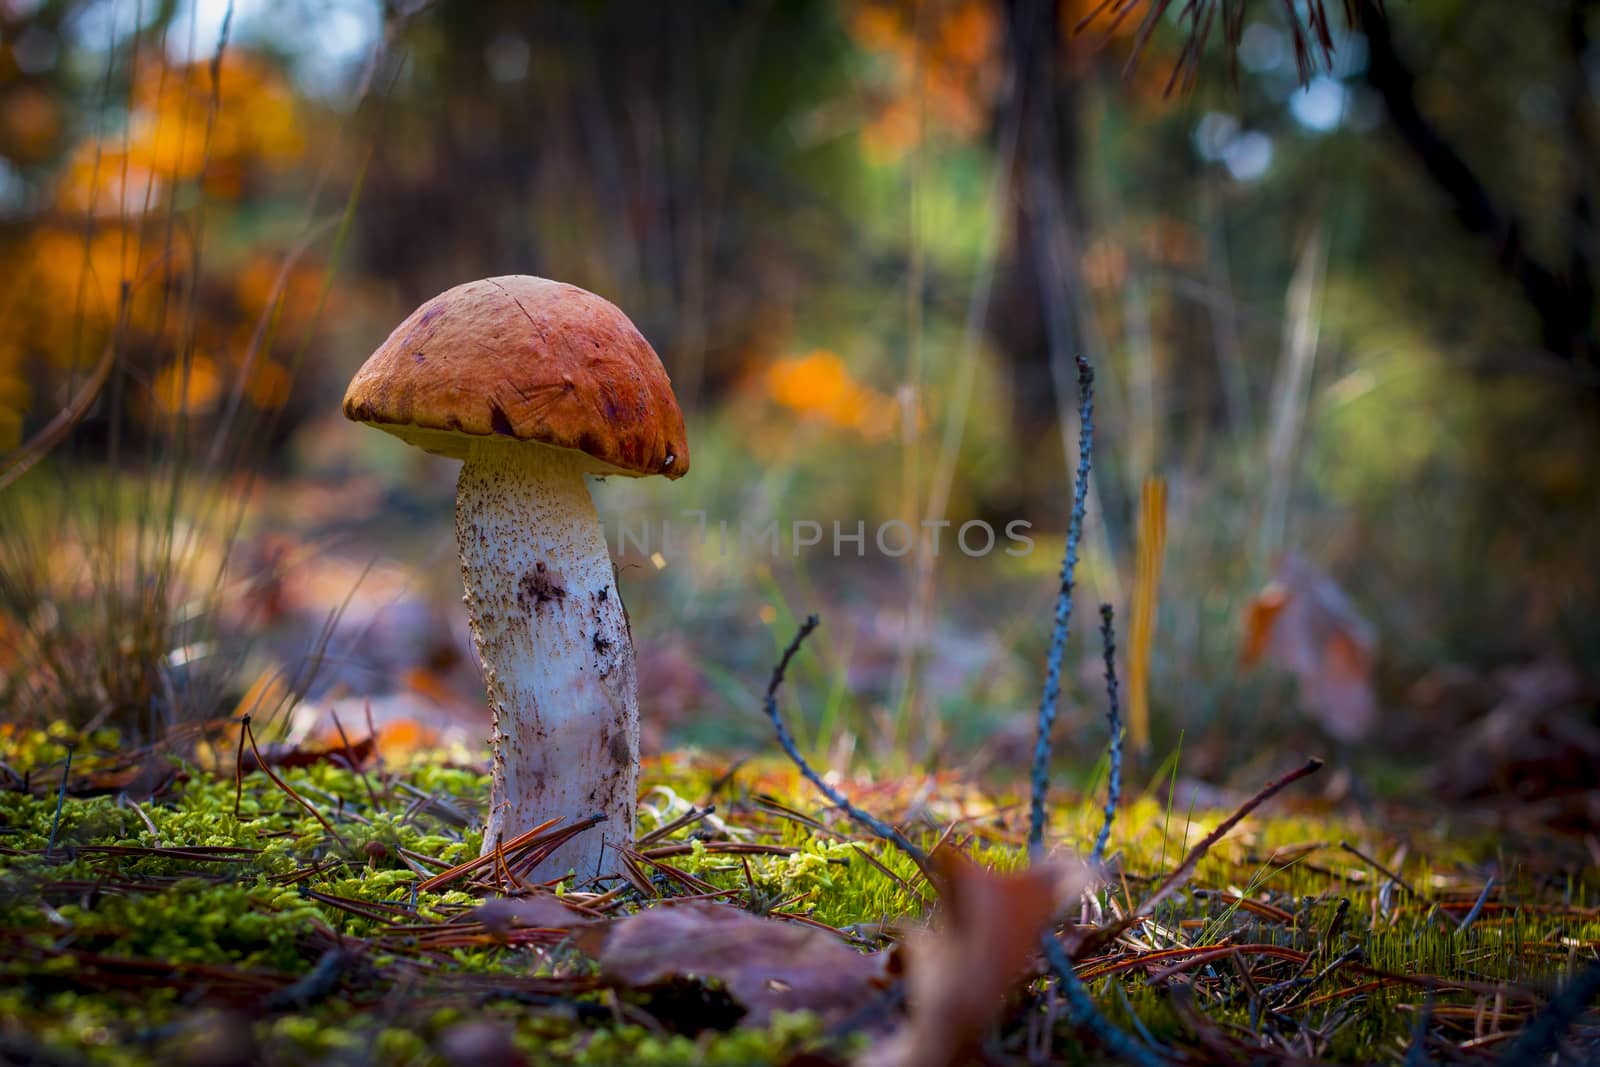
[557, 655]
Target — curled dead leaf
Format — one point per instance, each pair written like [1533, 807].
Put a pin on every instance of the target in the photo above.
[1302, 622]
[958, 975]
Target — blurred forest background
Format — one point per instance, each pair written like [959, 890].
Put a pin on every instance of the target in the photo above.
[1335, 270]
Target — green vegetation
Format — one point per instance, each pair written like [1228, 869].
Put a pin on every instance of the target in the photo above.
[1342, 311]
[155, 926]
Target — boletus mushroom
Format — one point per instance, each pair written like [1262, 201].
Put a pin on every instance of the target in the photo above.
[533, 385]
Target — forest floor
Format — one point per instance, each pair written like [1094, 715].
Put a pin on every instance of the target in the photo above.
[324, 909]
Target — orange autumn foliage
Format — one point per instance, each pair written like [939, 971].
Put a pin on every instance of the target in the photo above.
[819, 385]
[943, 65]
[107, 261]
[181, 127]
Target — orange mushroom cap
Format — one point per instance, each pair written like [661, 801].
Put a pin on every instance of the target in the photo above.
[528, 359]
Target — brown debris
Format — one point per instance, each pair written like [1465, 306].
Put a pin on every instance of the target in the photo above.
[958, 976]
[766, 965]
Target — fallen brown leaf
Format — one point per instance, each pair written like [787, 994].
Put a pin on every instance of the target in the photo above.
[1538, 741]
[503, 914]
[1302, 622]
[147, 777]
[352, 756]
[958, 976]
[765, 965]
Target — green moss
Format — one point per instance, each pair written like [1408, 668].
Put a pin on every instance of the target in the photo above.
[786, 1036]
[145, 954]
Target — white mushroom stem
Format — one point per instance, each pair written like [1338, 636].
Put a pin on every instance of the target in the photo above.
[557, 656]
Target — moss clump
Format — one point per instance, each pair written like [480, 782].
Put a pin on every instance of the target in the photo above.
[787, 1036]
[193, 924]
[221, 920]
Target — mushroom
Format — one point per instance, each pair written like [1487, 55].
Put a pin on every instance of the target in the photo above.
[534, 384]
